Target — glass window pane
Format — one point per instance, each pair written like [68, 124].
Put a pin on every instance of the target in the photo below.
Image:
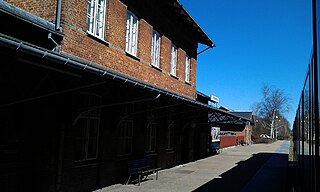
[94, 127]
[90, 16]
[187, 69]
[131, 33]
[92, 148]
[81, 128]
[173, 60]
[155, 53]
[96, 15]
[80, 149]
[128, 33]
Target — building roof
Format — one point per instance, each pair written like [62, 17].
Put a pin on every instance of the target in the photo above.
[225, 108]
[170, 18]
[203, 95]
[203, 37]
[247, 115]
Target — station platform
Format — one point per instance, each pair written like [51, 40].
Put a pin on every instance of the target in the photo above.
[257, 167]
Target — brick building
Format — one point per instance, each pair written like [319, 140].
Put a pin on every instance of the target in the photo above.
[232, 136]
[91, 84]
[245, 135]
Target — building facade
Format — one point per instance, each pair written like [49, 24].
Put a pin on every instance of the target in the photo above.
[92, 84]
[141, 39]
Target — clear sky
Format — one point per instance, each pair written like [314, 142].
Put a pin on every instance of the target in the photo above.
[259, 42]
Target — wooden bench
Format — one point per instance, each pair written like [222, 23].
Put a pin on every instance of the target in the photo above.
[141, 167]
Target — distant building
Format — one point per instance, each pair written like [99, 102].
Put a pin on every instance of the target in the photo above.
[233, 136]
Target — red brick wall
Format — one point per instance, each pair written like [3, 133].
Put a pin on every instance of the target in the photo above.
[181, 64]
[242, 133]
[193, 71]
[240, 138]
[245, 134]
[115, 23]
[144, 41]
[77, 42]
[227, 141]
[165, 55]
[45, 9]
[230, 140]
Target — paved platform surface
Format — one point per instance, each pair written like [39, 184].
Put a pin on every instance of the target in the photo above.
[257, 167]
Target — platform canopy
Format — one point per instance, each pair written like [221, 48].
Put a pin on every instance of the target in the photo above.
[230, 121]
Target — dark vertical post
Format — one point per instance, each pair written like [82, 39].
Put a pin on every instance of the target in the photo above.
[316, 89]
[60, 158]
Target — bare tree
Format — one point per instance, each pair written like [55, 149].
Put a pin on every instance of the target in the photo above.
[271, 110]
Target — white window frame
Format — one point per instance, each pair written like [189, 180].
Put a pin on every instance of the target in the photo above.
[155, 49]
[170, 136]
[174, 59]
[125, 137]
[89, 124]
[125, 128]
[187, 69]
[151, 136]
[89, 121]
[132, 30]
[96, 18]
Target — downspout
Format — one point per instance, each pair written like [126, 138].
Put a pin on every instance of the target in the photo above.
[58, 16]
[57, 26]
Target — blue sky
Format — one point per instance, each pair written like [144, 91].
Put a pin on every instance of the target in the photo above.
[259, 42]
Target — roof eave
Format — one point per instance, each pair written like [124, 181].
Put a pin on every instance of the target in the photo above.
[206, 39]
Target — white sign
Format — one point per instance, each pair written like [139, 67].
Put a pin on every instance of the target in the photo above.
[215, 134]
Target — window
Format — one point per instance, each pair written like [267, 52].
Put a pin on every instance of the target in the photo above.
[151, 137]
[173, 63]
[125, 137]
[87, 138]
[170, 136]
[187, 72]
[96, 17]
[151, 129]
[87, 128]
[155, 50]
[125, 130]
[132, 34]
[170, 130]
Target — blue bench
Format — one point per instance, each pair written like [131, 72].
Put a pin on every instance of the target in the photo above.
[141, 167]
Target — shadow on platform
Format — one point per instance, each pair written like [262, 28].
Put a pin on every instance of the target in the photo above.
[236, 178]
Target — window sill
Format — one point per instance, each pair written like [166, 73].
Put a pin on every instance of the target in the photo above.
[151, 153]
[124, 157]
[169, 151]
[188, 83]
[132, 56]
[157, 68]
[85, 163]
[98, 39]
[175, 77]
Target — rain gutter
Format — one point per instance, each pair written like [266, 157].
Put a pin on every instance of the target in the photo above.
[79, 63]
